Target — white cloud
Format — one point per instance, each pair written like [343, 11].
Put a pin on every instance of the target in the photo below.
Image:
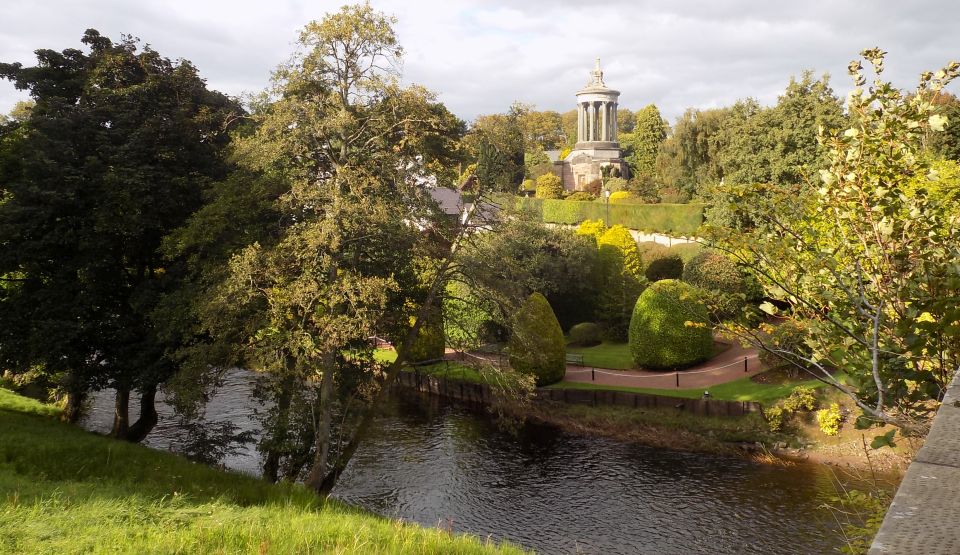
[482, 55]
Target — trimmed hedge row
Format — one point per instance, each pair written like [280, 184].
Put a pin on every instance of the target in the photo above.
[683, 219]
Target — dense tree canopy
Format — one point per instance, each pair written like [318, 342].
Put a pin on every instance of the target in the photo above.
[116, 152]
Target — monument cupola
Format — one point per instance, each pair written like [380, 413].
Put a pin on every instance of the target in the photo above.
[597, 113]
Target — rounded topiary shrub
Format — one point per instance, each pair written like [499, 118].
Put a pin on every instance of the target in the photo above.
[536, 343]
[669, 328]
[668, 266]
[730, 286]
[430, 343]
[623, 197]
[586, 334]
[549, 186]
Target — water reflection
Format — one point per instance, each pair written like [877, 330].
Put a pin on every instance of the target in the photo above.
[437, 463]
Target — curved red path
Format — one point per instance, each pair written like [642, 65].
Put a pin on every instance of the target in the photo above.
[725, 367]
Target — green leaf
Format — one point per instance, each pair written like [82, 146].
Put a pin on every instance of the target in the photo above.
[937, 122]
[886, 440]
[864, 422]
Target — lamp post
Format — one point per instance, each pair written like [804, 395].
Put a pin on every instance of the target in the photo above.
[606, 200]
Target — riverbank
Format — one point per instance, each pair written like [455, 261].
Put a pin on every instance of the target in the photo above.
[65, 490]
[656, 426]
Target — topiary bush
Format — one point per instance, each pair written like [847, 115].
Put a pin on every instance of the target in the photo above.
[549, 186]
[622, 197]
[536, 344]
[586, 334]
[670, 328]
[582, 196]
[528, 185]
[649, 251]
[621, 281]
[668, 266]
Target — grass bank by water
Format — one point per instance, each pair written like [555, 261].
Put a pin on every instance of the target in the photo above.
[65, 490]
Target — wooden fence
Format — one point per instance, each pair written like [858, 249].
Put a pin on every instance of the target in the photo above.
[482, 394]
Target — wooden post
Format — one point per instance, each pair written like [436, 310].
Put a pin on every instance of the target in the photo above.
[677, 374]
[744, 364]
[593, 375]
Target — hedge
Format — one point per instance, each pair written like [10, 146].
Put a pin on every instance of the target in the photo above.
[683, 219]
[669, 328]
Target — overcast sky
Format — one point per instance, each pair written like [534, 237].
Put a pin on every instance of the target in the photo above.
[482, 55]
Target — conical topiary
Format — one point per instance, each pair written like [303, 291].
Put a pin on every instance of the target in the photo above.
[536, 343]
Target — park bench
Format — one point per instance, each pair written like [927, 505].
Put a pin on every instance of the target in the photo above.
[575, 359]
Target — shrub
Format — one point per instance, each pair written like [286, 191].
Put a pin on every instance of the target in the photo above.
[536, 343]
[581, 196]
[429, 343]
[775, 418]
[668, 266]
[829, 419]
[671, 195]
[683, 219]
[649, 251]
[620, 197]
[591, 228]
[789, 336]
[801, 398]
[616, 184]
[718, 274]
[593, 187]
[528, 185]
[686, 251]
[669, 328]
[586, 334]
[621, 281]
[549, 186]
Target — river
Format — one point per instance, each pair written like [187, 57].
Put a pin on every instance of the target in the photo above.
[438, 463]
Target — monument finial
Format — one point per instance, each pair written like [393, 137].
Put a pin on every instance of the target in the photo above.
[596, 76]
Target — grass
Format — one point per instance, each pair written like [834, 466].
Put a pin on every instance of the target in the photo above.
[617, 356]
[64, 490]
[659, 427]
[605, 355]
[743, 389]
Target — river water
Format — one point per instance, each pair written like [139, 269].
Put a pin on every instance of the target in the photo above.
[438, 463]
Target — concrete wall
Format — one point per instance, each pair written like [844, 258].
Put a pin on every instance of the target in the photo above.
[924, 513]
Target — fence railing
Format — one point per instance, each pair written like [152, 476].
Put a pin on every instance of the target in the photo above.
[483, 394]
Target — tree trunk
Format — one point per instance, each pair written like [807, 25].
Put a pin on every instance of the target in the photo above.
[71, 412]
[121, 413]
[148, 415]
[318, 471]
[271, 459]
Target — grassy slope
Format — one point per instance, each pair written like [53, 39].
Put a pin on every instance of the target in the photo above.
[64, 490]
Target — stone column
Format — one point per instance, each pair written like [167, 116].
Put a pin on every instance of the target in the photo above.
[593, 122]
[613, 128]
[579, 122]
[605, 136]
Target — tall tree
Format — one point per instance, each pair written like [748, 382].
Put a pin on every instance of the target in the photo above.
[117, 151]
[643, 144]
[866, 260]
[354, 150]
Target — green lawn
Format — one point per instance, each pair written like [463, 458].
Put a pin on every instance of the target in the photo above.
[616, 355]
[605, 355]
[743, 389]
[384, 355]
[64, 490]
